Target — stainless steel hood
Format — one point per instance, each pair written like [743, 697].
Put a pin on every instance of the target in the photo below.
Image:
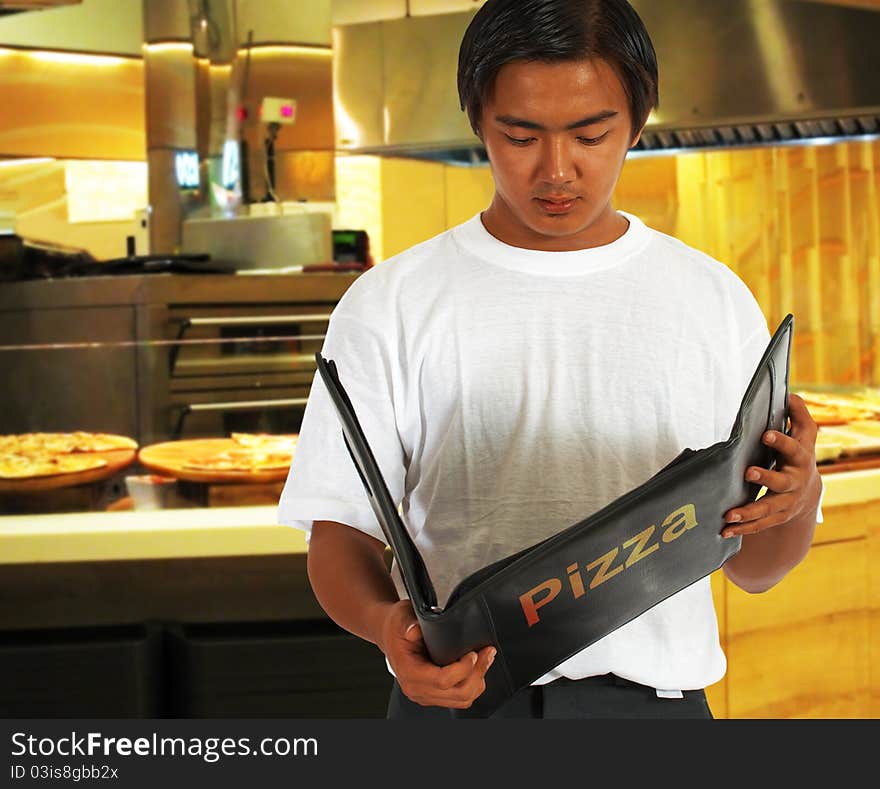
[732, 72]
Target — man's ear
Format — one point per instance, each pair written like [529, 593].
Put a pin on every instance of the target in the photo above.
[635, 140]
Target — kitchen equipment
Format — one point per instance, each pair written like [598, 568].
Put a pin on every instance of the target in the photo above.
[790, 71]
[24, 259]
[262, 242]
[155, 492]
[351, 246]
[149, 264]
[163, 356]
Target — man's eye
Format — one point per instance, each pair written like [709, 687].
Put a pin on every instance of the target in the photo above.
[592, 140]
[519, 141]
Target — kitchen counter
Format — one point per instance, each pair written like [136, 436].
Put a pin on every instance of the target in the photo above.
[135, 289]
[228, 531]
[158, 534]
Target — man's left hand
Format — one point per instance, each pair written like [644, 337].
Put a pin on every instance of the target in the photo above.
[793, 487]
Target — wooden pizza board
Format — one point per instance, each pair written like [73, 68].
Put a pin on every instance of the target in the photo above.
[850, 464]
[169, 458]
[117, 460]
[853, 441]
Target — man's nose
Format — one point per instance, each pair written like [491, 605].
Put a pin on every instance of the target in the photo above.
[558, 163]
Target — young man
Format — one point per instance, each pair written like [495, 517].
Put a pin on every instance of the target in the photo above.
[520, 371]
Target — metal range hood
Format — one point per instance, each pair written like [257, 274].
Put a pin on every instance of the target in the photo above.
[732, 72]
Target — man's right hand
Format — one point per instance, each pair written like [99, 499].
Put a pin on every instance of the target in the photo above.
[422, 681]
[367, 604]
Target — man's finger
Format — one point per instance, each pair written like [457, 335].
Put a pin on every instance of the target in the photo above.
[486, 658]
[788, 447]
[803, 426]
[428, 689]
[775, 481]
[473, 686]
[421, 671]
[755, 526]
[768, 504]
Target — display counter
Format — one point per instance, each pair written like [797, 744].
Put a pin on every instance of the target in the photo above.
[214, 605]
[197, 532]
[202, 532]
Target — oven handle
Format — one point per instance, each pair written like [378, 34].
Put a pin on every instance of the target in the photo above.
[236, 405]
[254, 320]
[241, 320]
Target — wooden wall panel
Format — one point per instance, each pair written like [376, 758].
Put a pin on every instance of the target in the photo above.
[800, 650]
[872, 709]
[846, 522]
[650, 190]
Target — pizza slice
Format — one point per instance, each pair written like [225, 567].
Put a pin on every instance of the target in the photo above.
[266, 442]
[16, 466]
[41, 444]
[240, 460]
[101, 442]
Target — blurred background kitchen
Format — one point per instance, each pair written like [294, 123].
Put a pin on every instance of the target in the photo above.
[187, 187]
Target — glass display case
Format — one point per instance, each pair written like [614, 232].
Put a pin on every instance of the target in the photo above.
[156, 390]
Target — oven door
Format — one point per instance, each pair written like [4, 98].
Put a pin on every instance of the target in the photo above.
[231, 368]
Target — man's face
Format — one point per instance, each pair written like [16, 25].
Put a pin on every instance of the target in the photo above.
[556, 135]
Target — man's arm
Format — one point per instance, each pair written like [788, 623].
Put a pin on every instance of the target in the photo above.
[350, 579]
[778, 528]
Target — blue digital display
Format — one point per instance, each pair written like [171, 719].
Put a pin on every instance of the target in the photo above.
[186, 169]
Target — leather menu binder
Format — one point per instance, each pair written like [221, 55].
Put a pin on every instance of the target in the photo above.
[542, 605]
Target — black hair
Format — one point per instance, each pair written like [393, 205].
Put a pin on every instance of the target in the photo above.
[552, 31]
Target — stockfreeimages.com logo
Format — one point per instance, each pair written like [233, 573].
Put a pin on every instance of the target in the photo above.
[210, 749]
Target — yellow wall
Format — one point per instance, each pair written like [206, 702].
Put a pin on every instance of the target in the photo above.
[71, 106]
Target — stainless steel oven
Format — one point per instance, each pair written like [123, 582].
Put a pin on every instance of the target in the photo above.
[162, 356]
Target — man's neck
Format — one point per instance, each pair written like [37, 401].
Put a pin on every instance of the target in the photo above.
[603, 231]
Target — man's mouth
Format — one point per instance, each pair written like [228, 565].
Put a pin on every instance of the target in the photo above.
[557, 204]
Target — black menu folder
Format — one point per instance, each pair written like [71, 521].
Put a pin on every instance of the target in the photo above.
[544, 604]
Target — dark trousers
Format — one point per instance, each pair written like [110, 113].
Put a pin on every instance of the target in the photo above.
[606, 696]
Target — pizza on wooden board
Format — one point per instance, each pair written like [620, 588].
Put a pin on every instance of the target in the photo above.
[28, 467]
[254, 453]
[235, 460]
[29, 455]
[266, 442]
[837, 409]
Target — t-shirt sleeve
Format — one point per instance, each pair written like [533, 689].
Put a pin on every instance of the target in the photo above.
[753, 350]
[323, 482]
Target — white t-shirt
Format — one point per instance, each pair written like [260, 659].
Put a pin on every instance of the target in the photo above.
[508, 393]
